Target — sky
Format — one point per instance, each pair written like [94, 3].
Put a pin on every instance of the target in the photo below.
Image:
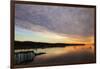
[53, 24]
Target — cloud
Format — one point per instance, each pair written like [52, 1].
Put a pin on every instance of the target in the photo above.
[62, 20]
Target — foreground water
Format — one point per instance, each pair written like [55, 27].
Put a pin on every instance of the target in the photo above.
[63, 56]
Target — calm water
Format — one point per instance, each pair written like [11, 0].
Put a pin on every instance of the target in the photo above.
[64, 55]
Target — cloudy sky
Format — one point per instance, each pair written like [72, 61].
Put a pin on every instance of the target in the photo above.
[52, 23]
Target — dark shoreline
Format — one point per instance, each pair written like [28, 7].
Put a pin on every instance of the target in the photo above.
[35, 45]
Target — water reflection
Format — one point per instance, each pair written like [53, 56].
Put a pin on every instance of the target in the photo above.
[68, 49]
[66, 55]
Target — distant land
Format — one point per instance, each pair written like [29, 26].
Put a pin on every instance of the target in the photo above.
[35, 45]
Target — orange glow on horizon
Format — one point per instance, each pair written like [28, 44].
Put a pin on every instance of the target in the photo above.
[81, 40]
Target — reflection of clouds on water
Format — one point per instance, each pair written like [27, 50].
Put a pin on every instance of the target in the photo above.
[68, 49]
[66, 55]
[89, 48]
[63, 50]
